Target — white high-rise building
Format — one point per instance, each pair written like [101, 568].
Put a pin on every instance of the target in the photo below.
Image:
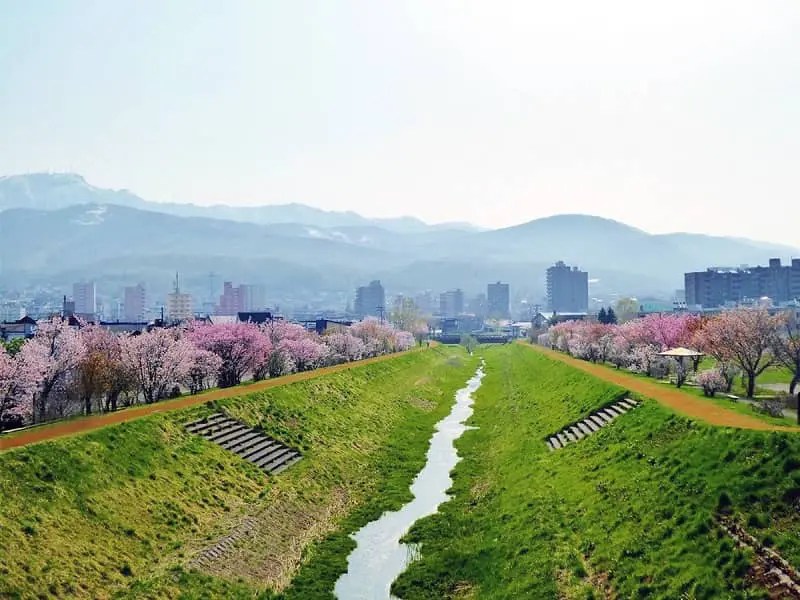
[179, 306]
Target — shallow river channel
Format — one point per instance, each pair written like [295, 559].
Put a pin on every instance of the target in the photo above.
[379, 556]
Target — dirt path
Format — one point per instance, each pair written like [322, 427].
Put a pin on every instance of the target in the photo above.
[83, 424]
[671, 397]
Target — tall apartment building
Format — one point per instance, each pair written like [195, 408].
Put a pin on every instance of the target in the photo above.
[717, 286]
[242, 298]
[179, 306]
[134, 303]
[84, 294]
[254, 297]
[425, 302]
[478, 306]
[498, 301]
[567, 289]
[370, 300]
[451, 303]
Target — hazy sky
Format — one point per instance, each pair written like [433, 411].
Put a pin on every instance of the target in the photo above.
[669, 116]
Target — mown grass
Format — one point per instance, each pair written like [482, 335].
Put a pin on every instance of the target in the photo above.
[628, 510]
[119, 511]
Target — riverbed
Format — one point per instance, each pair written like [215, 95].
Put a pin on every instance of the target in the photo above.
[379, 557]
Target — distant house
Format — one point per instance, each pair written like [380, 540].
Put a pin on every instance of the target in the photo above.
[539, 321]
[320, 326]
[21, 328]
[125, 326]
[256, 317]
[568, 316]
[462, 324]
[650, 306]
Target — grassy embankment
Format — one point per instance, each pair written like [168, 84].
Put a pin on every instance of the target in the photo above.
[628, 511]
[121, 510]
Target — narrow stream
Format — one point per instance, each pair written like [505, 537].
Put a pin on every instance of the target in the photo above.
[379, 556]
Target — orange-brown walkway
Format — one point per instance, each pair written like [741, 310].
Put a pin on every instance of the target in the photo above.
[682, 402]
[84, 424]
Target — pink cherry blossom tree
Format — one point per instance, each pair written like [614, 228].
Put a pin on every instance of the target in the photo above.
[99, 370]
[744, 337]
[241, 346]
[53, 355]
[344, 347]
[204, 369]
[403, 340]
[306, 353]
[787, 349]
[668, 330]
[158, 360]
[17, 387]
[711, 381]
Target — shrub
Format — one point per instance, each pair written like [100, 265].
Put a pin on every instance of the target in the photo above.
[712, 381]
[773, 408]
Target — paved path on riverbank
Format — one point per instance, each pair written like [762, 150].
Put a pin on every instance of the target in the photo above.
[682, 402]
[83, 424]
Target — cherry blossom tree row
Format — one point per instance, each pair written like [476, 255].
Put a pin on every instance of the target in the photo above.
[746, 341]
[63, 370]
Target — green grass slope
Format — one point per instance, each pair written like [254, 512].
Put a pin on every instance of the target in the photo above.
[627, 512]
[121, 510]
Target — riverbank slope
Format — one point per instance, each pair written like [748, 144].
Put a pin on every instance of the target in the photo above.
[630, 511]
[124, 510]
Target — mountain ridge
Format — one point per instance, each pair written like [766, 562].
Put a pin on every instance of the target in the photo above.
[52, 191]
[101, 240]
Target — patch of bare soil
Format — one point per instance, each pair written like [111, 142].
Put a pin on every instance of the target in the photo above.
[266, 548]
[422, 404]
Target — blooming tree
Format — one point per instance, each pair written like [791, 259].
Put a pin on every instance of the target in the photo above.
[305, 353]
[158, 360]
[668, 330]
[99, 369]
[241, 346]
[744, 337]
[53, 355]
[787, 350]
[203, 371]
[711, 381]
[17, 387]
[343, 347]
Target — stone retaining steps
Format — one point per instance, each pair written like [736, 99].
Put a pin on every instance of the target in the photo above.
[250, 444]
[590, 424]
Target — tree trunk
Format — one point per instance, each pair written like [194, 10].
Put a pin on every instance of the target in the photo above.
[87, 404]
[793, 384]
[751, 385]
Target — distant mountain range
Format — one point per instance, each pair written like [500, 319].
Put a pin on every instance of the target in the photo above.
[57, 229]
[52, 191]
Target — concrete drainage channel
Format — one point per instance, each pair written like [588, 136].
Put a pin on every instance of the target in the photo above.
[591, 424]
[250, 444]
